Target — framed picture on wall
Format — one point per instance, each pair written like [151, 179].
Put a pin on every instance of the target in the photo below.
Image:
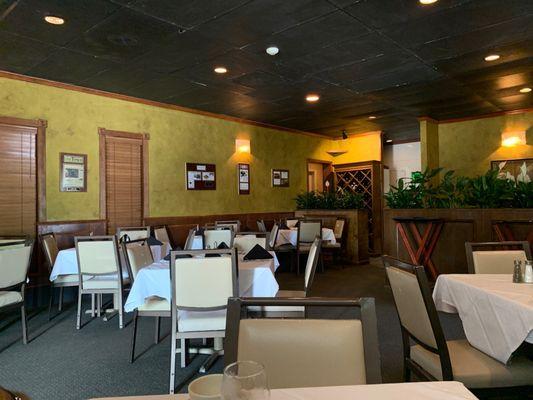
[280, 178]
[243, 171]
[72, 172]
[515, 170]
[200, 176]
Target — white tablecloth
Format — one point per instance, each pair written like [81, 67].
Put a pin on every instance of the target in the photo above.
[286, 236]
[256, 279]
[497, 314]
[67, 263]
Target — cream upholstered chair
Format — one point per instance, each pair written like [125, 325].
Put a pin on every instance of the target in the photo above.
[306, 352]
[134, 233]
[495, 257]
[245, 241]
[50, 249]
[233, 224]
[292, 222]
[434, 358]
[261, 225]
[308, 230]
[100, 272]
[335, 249]
[15, 258]
[200, 288]
[161, 234]
[282, 248]
[215, 237]
[138, 256]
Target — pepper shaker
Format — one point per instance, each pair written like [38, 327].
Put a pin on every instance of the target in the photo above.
[517, 272]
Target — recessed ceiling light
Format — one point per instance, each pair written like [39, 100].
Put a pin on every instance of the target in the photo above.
[492, 57]
[388, 140]
[525, 90]
[221, 70]
[51, 19]
[272, 50]
[427, 1]
[312, 98]
[372, 117]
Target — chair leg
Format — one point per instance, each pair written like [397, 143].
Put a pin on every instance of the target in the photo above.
[406, 372]
[297, 263]
[120, 311]
[134, 337]
[78, 318]
[60, 298]
[173, 361]
[92, 305]
[183, 352]
[321, 260]
[98, 305]
[51, 301]
[157, 329]
[24, 324]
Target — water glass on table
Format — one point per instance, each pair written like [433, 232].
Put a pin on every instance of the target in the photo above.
[245, 380]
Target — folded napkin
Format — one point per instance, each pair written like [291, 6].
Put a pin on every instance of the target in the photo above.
[223, 245]
[283, 225]
[167, 258]
[257, 253]
[152, 241]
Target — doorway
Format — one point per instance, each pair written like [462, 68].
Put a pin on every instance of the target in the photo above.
[319, 176]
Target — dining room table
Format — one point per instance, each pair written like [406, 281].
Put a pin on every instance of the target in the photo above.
[447, 390]
[497, 314]
[290, 236]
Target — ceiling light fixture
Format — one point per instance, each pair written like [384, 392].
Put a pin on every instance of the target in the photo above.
[372, 117]
[311, 98]
[51, 19]
[492, 57]
[525, 90]
[344, 134]
[388, 141]
[221, 70]
[426, 2]
[272, 50]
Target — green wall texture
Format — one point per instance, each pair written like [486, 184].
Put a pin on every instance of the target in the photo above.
[469, 146]
[176, 137]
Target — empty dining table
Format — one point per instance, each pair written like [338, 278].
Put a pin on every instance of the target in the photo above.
[290, 236]
[497, 314]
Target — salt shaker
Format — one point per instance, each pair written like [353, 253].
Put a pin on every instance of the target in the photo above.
[517, 273]
[528, 272]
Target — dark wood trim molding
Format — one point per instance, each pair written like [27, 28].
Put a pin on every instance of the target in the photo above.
[483, 116]
[145, 137]
[40, 126]
[96, 92]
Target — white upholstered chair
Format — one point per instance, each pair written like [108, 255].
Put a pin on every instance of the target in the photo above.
[15, 258]
[306, 352]
[200, 288]
[261, 225]
[50, 249]
[215, 237]
[308, 230]
[100, 272]
[161, 234]
[233, 224]
[245, 241]
[134, 232]
[432, 357]
[137, 255]
[495, 257]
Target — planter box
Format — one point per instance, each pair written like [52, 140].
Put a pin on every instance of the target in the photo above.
[356, 230]
[460, 225]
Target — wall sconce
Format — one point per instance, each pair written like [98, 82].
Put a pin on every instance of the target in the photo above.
[242, 146]
[510, 139]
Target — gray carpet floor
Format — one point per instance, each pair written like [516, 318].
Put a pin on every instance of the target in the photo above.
[63, 363]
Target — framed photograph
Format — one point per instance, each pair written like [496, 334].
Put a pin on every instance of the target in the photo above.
[200, 176]
[72, 172]
[280, 178]
[515, 170]
[243, 171]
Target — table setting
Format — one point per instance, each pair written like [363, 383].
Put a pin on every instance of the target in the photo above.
[290, 236]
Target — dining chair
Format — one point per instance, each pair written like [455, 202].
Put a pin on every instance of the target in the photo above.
[161, 234]
[306, 352]
[245, 241]
[15, 259]
[133, 232]
[190, 241]
[308, 230]
[432, 357]
[200, 288]
[335, 249]
[138, 256]
[51, 250]
[212, 238]
[261, 225]
[100, 272]
[495, 257]
[292, 222]
[233, 224]
[286, 248]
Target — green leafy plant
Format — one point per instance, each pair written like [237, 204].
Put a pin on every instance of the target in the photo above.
[329, 201]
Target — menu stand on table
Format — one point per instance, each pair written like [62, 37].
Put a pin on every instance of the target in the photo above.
[424, 241]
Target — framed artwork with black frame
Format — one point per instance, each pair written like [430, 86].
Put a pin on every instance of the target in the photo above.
[280, 178]
[200, 176]
[243, 171]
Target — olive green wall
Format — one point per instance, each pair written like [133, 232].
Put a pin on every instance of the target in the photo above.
[468, 147]
[176, 137]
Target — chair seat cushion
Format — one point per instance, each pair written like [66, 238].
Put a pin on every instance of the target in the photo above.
[103, 282]
[304, 248]
[282, 311]
[474, 368]
[155, 304]
[64, 279]
[285, 247]
[329, 245]
[198, 321]
[7, 298]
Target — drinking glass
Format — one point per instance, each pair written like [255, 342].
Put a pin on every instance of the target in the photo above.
[245, 380]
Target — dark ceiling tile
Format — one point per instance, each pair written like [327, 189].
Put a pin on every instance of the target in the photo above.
[124, 36]
[120, 78]
[70, 67]
[310, 36]
[27, 18]
[164, 88]
[19, 54]
[184, 13]
[259, 19]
